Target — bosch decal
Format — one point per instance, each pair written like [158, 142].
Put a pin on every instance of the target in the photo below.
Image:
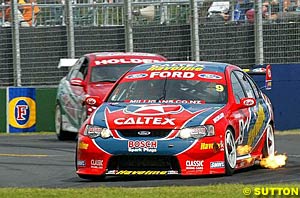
[142, 146]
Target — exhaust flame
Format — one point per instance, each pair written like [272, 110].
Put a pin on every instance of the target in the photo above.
[274, 161]
[242, 150]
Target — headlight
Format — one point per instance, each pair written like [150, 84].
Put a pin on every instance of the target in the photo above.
[197, 132]
[96, 131]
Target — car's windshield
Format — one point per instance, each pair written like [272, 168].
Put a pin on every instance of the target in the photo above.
[110, 73]
[169, 89]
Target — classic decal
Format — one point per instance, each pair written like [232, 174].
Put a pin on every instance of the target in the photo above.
[194, 164]
[96, 163]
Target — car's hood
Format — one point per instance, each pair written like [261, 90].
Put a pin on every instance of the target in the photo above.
[99, 89]
[152, 116]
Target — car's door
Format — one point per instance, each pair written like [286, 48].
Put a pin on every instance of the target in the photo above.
[252, 120]
[76, 91]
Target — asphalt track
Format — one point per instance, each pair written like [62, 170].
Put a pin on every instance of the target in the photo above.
[43, 161]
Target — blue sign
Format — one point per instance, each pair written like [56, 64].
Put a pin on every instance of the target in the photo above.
[21, 113]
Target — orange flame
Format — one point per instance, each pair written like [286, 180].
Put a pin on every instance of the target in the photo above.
[274, 161]
[242, 150]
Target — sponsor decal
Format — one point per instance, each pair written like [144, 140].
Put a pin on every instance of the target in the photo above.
[124, 60]
[218, 117]
[217, 164]
[136, 76]
[176, 67]
[146, 172]
[144, 133]
[177, 74]
[194, 164]
[153, 109]
[248, 102]
[81, 163]
[96, 163]
[91, 101]
[83, 146]
[210, 146]
[21, 109]
[210, 76]
[260, 70]
[261, 117]
[144, 120]
[142, 146]
[168, 101]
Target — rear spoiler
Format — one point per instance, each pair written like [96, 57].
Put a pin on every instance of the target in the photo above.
[262, 71]
[66, 62]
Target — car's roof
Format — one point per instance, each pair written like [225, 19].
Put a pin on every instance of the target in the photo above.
[183, 66]
[118, 54]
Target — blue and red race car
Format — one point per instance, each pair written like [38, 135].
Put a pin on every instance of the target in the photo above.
[185, 118]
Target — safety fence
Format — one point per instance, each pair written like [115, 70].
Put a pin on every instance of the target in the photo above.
[237, 31]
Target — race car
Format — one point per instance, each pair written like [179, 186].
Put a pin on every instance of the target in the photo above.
[177, 118]
[91, 74]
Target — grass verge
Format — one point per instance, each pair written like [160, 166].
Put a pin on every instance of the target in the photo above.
[211, 191]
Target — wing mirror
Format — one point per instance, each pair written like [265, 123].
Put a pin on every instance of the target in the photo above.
[77, 82]
[247, 102]
[94, 101]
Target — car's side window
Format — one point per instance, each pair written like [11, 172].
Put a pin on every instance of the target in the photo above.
[237, 88]
[254, 87]
[76, 71]
[245, 83]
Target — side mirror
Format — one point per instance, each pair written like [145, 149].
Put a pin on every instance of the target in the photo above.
[77, 82]
[94, 101]
[247, 102]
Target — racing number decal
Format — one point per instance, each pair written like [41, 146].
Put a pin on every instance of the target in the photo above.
[219, 88]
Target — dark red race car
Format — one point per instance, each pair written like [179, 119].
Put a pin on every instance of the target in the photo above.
[92, 74]
[187, 118]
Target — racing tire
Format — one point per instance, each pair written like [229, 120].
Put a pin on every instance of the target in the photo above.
[269, 145]
[60, 133]
[230, 153]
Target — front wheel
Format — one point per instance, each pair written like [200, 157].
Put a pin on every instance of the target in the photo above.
[230, 152]
[60, 133]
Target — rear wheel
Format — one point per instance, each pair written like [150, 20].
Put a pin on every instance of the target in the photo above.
[60, 133]
[230, 152]
[269, 146]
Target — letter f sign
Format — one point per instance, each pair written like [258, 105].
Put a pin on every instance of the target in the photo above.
[21, 111]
